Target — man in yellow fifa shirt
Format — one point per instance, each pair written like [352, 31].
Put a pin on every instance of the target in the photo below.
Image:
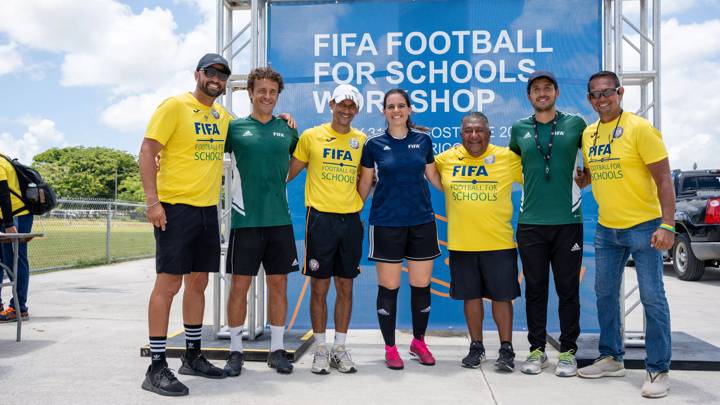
[14, 218]
[188, 132]
[333, 233]
[626, 157]
[477, 180]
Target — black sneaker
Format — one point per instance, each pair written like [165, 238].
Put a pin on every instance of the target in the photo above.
[278, 360]
[506, 361]
[163, 382]
[233, 366]
[475, 356]
[201, 367]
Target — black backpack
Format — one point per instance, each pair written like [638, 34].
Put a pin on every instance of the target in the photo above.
[37, 195]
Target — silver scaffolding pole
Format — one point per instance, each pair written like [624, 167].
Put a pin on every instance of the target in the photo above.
[642, 49]
[237, 41]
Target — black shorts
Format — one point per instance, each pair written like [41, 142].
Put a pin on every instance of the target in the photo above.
[333, 244]
[492, 274]
[271, 246]
[190, 241]
[392, 244]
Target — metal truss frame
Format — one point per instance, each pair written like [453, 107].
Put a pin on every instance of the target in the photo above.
[623, 32]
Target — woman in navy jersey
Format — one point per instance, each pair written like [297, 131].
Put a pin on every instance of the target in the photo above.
[402, 221]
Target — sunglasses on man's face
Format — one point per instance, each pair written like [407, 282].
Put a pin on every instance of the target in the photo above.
[607, 93]
[212, 72]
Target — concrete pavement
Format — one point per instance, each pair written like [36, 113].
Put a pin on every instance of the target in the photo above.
[82, 347]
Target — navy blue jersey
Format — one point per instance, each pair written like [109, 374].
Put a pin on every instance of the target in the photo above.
[402, 196]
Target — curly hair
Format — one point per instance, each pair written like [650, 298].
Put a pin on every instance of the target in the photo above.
[265, 72]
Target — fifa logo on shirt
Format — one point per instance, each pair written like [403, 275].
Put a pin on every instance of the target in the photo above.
[279, 134]
[414, 146]
[469, 171]
[337, 154]
[206, 129]
[599, 150]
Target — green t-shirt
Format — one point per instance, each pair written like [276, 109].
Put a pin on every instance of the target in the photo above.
[262, 153]
[554, 199]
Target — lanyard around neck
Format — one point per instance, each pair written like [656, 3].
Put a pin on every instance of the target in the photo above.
[612, 134]
[545, 156]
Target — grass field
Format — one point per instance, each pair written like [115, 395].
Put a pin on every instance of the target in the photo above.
[82, 242]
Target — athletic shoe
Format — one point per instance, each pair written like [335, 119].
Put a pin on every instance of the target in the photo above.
[201, 367]
[605, 366]
[341, 360]
[163, 382]
[535, 362]
[279, 361]
[567, 365]
[392, 358]
[475, 356]
[234, 363]
[506, 360]
[321, 361]
[420, 351]
[656, 385]
[9, 315]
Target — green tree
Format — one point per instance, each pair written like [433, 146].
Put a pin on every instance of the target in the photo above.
[78, 171]
[131, 189]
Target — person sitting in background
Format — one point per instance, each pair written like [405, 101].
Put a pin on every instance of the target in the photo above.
[14, 218]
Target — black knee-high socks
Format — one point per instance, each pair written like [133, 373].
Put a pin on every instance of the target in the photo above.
[387, 313]
[420, 306]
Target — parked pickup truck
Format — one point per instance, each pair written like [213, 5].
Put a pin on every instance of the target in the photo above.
[697, 222]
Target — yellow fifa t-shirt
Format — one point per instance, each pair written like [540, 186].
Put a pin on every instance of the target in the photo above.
[7, 173]
[621, 182]
[191, 162]
[333, 161]
[478, 194]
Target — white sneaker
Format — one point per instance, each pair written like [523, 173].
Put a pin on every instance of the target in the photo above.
[535, 362]
[341, 360]
[605, 366]
[321, 361]
[656, 385]
[567, 365]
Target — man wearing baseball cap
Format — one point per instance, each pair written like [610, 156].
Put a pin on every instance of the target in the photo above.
[333, 235]
[549, 227]
[188, 132]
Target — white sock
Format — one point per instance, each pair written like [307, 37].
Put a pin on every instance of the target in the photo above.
[319, 340]
[236, 339]
[276, 338]
[339, 339]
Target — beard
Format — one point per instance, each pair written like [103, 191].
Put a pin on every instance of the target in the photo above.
[542, 108]
[205, 88]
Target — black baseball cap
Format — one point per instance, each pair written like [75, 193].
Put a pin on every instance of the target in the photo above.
[210, 59]
[539, 74]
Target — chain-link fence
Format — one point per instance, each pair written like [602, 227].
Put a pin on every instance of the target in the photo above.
[90, 231]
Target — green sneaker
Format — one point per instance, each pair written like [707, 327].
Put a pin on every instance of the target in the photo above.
[567, 365]
[535, 362]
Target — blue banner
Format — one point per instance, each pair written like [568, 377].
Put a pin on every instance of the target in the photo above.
[452, 57]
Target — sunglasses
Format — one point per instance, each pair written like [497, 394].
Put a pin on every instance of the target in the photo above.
[212, 72]
[607, 93]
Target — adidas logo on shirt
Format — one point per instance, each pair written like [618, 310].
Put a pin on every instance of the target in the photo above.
[386, 147]
[575, 248]
[295, 262]
[247, 133]
[527, 135]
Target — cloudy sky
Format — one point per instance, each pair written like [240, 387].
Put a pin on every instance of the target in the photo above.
[78, 72]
